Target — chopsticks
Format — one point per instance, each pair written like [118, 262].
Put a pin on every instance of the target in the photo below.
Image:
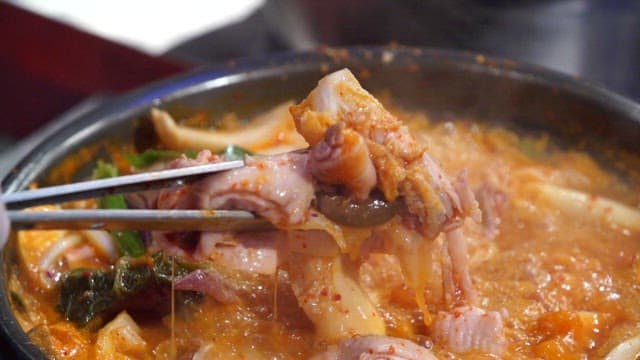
[116, 185]
[164, 220]
[182, 220]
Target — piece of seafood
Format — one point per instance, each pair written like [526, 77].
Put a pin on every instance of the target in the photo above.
[277, 187]
[403, 167]
[468, 328]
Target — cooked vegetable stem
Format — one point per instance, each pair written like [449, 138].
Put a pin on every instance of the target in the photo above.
[595, 207]
[152, 156]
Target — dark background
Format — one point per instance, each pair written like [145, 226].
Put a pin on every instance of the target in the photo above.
[598, 40]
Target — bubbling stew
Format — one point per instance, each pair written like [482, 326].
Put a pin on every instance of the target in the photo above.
[394, 237]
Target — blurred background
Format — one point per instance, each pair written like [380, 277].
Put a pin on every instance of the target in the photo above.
[59, 58]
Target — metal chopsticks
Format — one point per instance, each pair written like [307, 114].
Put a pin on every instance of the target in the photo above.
[121, 184]
[183, 220]
[166, 220]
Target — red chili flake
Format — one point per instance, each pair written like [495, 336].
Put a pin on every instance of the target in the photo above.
[337, 297]
[324, 292]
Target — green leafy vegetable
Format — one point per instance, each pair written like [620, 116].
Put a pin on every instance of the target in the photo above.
[129, 242]
[152, 156]
[132, 275]
[162, 267]
[233, 152]
[88, 293]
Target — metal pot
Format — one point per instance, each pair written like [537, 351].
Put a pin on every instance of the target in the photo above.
[445, 84]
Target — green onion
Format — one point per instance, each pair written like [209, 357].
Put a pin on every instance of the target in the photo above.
[129, 242]
[105, 170]
[152, 156]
